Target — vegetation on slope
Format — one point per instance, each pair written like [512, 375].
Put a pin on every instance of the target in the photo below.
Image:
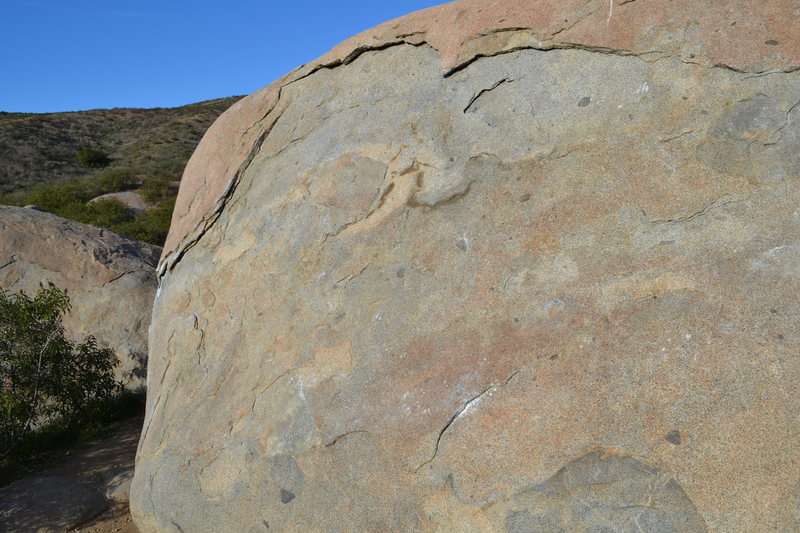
[60, 161]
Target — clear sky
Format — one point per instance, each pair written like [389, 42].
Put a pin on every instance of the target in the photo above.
[70, 55]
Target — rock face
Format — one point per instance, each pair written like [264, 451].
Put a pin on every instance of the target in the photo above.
[111, 280]
[494, 266]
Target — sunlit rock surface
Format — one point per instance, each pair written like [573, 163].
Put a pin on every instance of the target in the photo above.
[111, 280]
[494, 266]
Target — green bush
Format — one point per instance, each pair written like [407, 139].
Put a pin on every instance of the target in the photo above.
[101, 213]
[117, 180]
[90, 157]
[150, 226]
[156, 190]
[69, 199]
[44, 377]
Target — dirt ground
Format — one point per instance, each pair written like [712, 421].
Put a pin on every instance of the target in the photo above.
[89, 464]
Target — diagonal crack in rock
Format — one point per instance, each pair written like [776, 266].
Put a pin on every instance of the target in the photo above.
[484, 91]
[464, 407]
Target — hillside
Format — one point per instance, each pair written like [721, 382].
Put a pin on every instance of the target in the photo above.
[36, 148]
[60, 161]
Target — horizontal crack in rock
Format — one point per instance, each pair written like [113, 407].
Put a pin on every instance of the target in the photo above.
[715, 204]
[545, 46]
[337, 438]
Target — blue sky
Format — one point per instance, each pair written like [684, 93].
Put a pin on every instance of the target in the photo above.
[70, 55]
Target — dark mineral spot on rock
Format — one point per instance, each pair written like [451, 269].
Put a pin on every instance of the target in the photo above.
[462, 244]
[266, 524]
[771, 42]
[525, 197]
[673, 437]
[554, 357]
[583, 102]
[401, 272]
[287, 496]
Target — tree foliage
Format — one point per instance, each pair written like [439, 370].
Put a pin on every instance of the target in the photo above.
[150, 226]
[45, 377]
[92, 158]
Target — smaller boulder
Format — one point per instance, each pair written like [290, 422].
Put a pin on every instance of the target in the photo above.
[111, 280]
[118, 484]
[48, 504]
[130, 199]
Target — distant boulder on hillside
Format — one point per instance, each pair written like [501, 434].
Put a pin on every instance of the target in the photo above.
[110, 280]
[130, 199]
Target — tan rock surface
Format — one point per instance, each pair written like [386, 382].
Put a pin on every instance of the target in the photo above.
[494, 266]
[742, 35]
[111, 280]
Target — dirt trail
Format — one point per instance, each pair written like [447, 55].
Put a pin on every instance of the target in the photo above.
[89, 464]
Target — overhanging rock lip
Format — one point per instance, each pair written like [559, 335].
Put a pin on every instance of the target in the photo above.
[466, 30]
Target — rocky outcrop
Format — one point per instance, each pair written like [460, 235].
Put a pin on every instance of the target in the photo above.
[494, 266]
[110, 280]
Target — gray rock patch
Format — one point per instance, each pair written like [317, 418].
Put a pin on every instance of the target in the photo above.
[602, 491]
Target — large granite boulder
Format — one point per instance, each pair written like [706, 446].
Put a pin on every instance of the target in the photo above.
[111, 280]
[494, 266]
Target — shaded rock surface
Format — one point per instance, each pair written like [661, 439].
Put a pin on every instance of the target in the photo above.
[494, 266]
[48, 505]
[118, 484]
[111, 280]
